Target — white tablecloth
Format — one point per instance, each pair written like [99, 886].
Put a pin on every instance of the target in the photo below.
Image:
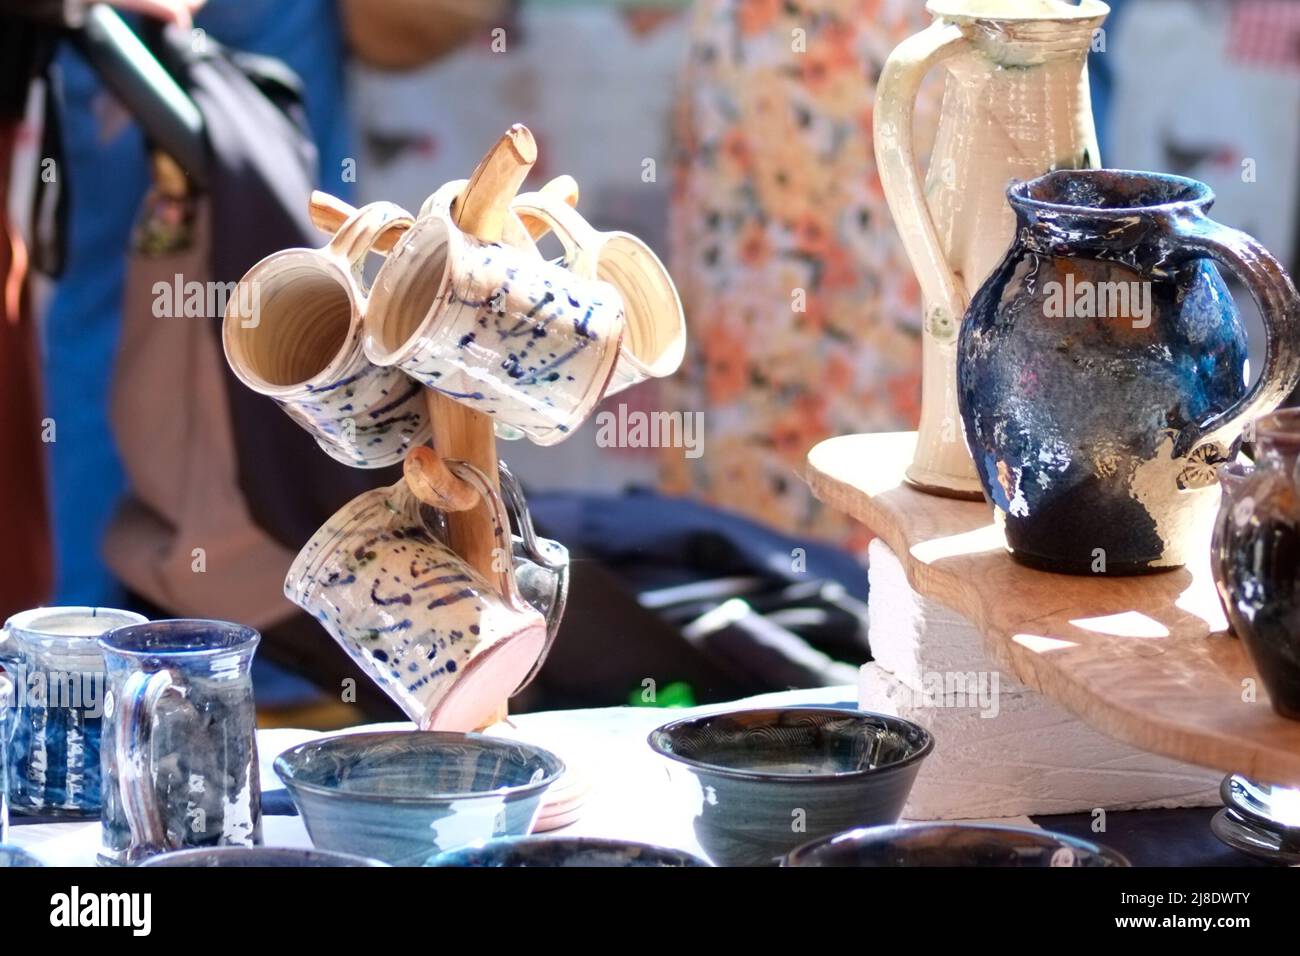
[629, 799]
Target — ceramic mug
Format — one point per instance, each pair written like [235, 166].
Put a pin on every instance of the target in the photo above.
[654, 337]
[424, 625]
[495, 327]
[180, 750]
[293, 333]
[59, 689]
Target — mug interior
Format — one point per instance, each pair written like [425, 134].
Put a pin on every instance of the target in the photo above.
[406, 289]
[655, 330]
[291, 328]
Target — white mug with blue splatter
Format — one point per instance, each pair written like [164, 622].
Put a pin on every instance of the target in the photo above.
[445, 643]
[495, 327]
[292, 332]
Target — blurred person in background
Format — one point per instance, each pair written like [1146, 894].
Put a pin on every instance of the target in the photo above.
[108, 173]
[803, 310]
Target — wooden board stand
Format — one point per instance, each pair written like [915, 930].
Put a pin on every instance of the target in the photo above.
[1146, 660]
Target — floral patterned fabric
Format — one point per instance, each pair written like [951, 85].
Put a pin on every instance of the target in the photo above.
[803, 310]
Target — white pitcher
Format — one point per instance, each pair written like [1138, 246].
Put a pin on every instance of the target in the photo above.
[1015, 105]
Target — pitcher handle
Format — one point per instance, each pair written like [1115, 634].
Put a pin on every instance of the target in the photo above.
[896, 164]
[1279, 307]
[133, 743]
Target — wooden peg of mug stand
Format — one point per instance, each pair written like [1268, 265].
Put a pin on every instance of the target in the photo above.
[328, 213]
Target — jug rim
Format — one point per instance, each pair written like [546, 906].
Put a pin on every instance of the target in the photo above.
[958, 10]
[234, 637]
[1195, 193]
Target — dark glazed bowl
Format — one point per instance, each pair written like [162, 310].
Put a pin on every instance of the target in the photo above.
[401, 796]
[257, 856]
[761, 782]
[565, 851]
[953, 844]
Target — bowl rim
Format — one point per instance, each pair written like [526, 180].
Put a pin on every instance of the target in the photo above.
[180, 858]
[877, 834]
[775, 776]
[526, 841]
[283, 769]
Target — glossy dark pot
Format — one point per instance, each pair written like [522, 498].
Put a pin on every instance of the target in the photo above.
[1256, 558]
[1101, 368]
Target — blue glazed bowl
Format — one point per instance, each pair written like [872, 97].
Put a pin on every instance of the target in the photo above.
[762, 782]
[401, 796]
[565, 851]
[17, 857]
[257, 856]
[953, 844]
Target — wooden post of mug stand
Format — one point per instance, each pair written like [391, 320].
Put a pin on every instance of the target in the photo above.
[460, 432]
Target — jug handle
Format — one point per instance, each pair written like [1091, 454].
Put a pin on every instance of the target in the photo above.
[133, 742]
[1279, 306]
[896, 165]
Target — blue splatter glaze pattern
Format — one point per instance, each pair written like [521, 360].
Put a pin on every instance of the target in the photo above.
[399, 601]
[504, 332]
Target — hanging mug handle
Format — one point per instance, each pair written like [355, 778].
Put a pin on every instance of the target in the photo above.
[133, 745]
[355, 238]
[1198, 237]
[896, 164]
[502, 547]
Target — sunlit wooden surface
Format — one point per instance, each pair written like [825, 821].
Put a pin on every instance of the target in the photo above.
[1145, 659]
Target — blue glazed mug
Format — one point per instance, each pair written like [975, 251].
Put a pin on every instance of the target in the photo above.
[180, 748]
[53, 727]
[1101, 368]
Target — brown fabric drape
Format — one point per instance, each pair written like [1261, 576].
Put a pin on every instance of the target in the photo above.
[26, 559]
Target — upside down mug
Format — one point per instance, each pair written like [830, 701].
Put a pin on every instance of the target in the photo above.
[446, 644]
[494, 327]
[654, 337]
[293, 333]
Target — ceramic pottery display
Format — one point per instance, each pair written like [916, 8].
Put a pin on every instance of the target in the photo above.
[293, 331]
[180, 753]
[550, 851]
[59, 688]
[654, 337]
[953, 844]
[1256, 560]
[761, 782]
[441, 640]
[403, 796]
[498, 329]
[1015, 105]
[1101, 368]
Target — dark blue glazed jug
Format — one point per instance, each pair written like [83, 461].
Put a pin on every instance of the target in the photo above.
[1101, 368]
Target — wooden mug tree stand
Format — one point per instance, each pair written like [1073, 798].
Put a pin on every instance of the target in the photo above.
[1113, 692]
[482, 210]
